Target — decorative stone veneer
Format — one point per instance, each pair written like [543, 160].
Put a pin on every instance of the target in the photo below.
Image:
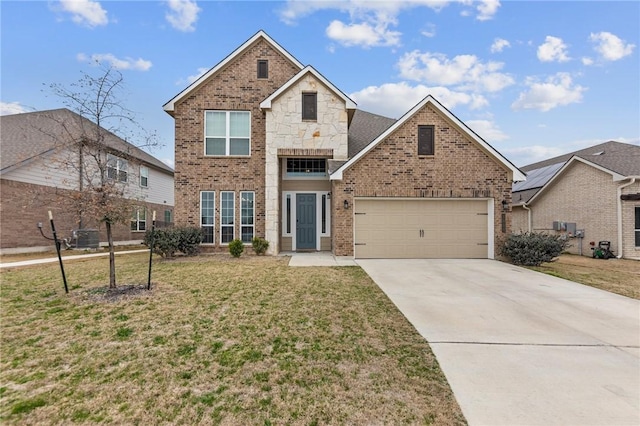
[287, 132]
[458, 169]
[235, 87]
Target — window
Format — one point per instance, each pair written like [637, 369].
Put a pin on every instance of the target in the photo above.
[306, 167]
[247, 216]
[263, 68]
[310, 106]
[227, 133]
[638, 226]
[227, 214]
[426, 140]
[116, 168]
[144, 176]
[287, 216]
[207, 212]
[167, 217]
[323, 214]
[139, 219]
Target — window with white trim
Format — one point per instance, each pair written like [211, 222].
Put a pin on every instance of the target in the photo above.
[227, 133]
[139, 219]
[207, 215]
[247, 216]
[637, 226]
[144, 176]
[305, 168]
[286, 216]
[116, 168]
[227, 215]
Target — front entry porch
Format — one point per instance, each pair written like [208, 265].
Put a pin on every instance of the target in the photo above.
[306, 221]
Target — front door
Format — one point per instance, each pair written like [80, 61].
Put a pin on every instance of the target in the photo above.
[305, 221]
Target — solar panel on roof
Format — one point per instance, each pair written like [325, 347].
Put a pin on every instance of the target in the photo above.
[538, 178]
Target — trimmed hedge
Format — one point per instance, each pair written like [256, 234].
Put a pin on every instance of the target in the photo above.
[169, 241]
[532, 249]
[260, 245]
[236, 247]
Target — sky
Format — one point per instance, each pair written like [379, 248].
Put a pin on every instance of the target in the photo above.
[534, 79]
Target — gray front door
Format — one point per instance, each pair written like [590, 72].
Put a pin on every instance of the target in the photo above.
[305, 221]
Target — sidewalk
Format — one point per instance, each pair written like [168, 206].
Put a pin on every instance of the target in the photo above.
[64, 259]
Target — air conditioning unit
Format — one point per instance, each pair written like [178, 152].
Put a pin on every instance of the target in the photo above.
[86, 238]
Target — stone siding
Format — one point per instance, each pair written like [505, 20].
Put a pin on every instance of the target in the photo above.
[458, 169]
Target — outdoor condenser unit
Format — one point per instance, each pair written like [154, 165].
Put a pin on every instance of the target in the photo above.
[86, 238]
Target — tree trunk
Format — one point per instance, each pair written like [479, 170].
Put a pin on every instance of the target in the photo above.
[112, 257]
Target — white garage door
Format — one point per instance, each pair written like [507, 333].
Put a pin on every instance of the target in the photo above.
[405, 229]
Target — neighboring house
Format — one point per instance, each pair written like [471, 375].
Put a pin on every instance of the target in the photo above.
[268, 147]
[593, 193]
[41, 170]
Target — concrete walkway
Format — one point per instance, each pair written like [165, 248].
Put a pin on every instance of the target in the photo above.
[520, 347]
[64, 258]
[321, 258]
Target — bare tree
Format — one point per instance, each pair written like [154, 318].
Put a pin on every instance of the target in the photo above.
[95, 145]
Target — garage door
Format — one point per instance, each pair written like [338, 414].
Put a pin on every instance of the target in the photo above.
[421, 228]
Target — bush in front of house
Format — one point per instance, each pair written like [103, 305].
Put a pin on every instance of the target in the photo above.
[236, 247]
[533, 248]
[260, 245]
[169, 241]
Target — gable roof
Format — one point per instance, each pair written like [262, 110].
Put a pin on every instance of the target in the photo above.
[430, 100]
[618, 159]
[170, 106]
[29, 135]
[266, 104]
[364, 128]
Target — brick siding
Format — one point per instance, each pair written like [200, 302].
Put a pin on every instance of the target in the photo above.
[459, 169]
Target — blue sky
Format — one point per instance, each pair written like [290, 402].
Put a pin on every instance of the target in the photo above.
[534, 79]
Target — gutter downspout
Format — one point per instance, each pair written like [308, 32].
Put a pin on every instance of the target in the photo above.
[524, 206]
[619, 193]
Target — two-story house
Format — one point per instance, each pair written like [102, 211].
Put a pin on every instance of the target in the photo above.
[47, 164]
[265, 146]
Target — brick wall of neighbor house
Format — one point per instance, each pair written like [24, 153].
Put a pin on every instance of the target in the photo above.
[630, 250]
[235, 87]
[519, 220]
[459, 168]
[583, 195]
[29, 205]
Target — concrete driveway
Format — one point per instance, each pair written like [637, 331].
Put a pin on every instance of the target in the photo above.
[519, 347]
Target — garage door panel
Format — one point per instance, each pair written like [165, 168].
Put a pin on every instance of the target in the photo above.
[392, 228]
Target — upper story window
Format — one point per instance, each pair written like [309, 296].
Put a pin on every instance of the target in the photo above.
[426, 145]
[144, 176]
[310, 106]
[637, 226]
[263, 68]
[116, 168]
[227, 133]
[306, 167]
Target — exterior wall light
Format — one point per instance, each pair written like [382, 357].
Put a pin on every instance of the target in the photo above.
[346, 204]
[505, 206]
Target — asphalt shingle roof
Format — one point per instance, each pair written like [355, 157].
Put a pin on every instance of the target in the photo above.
[28, 135]
[364, 128]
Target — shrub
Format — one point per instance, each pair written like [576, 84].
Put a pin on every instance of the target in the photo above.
[260, 245]
[166, 242]
[236, 247]
[532, 249]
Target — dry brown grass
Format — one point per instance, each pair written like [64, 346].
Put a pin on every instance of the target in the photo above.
[216, 341]
[621, 276]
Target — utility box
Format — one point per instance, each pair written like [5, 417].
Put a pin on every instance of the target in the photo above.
[86, 238]
[559, 226]
[571, 229]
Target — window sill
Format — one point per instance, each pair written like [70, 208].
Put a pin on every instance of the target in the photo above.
[227, 156]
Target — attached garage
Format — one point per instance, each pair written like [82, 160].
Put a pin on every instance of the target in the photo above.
[419, 228]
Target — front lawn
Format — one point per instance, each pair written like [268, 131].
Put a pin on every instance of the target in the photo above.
[216, 341]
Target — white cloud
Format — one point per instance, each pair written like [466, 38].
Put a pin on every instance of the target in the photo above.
[85, 12]
[169, 162]
[371, 20]
[524, 155]
[429, 30]
[465, 71]
[8, 108]
[192, 78]
[116, 63]
[182, 14]
[587, 61]
[487, 130]
[395, 99]
[611, 47]
[499, 44]
[557, 90]
[487, 9]
[364, 34]
[553, 50]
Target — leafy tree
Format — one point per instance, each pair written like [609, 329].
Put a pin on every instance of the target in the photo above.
[91, 146]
